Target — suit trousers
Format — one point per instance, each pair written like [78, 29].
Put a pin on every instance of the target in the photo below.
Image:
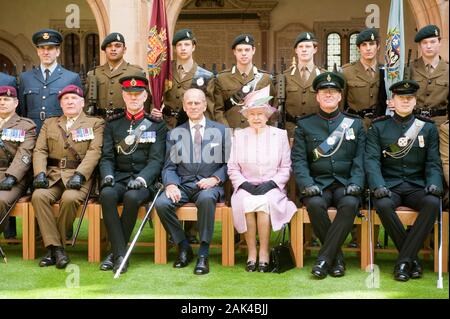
[413, 196]
[54, 229]
[205, 200]
[332, 234]
[120, 228]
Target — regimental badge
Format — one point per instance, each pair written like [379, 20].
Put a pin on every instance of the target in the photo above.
[406, 85]
[129, 140]
[328, 78]
[402, 141]
[118, 37]
[246, 89]
[421, 141]
[133, 82]
[200, 81]
[82, 134]
[26, 159]
[148, 137]
[13, 135]
[331, 140]
[247, 39]
[188, 35]
[372, 37]
[308, 36]
[436, 32]
[45, 36]
[350, 134]
[8, 93]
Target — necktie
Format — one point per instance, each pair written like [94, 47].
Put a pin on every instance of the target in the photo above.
[47, 74]
[244, 76]
[197, 143]
[303, 74]
[181, 72]
[69, 124]
[429, 68]
[370, 72]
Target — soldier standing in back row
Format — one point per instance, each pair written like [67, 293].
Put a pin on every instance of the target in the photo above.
[39, 88]
[232, 85]
[300, 95]
[104, 79]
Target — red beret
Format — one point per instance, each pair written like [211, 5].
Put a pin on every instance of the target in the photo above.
[7, 90]
[71, 88]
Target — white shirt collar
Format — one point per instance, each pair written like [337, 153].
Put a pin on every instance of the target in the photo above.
[202, 123]
[51, 68]
[4, 121]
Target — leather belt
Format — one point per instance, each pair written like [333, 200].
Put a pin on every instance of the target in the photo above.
[108, 112]
[430, 112]
[4, 163]
[369, 113]
[63, 163]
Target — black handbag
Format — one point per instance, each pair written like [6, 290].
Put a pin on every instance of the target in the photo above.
[281, 255]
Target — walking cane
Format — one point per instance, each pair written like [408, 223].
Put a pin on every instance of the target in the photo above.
[9, 210]
[83, 211]
[440, 284]
[3, 255]
[141, 227]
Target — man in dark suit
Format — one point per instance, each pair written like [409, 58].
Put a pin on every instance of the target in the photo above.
[40, 87]
[132, 159]
[194, 171]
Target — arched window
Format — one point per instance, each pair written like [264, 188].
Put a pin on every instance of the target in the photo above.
[334, 52]
[354, 53]
[72, 52]
[92, 51]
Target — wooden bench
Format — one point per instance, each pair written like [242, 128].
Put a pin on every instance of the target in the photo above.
[89, 216]
[189, 212]
[21, 210]
[408, 217]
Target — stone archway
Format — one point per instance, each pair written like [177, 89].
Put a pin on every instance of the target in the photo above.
[15, 48]
[102, 19]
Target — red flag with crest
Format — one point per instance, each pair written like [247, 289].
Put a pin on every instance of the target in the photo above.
[158, 54]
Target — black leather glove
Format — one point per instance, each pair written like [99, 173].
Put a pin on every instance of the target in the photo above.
[249, 188]
[433, 190]
[263, 188]
[76, 181]
[381, 192]
[312, 190]
[353, 190]
[40, 181]
[107, 181]
[7, 183]
[135, 184]
[237, 97]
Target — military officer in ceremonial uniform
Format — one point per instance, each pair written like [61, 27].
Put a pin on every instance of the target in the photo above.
[327, 159]
[186, 74]
[365, 94]
[431, 73]
[132, 159]
[104, 79]
[67, 151]
[233, 84]
[40, 87]
[404, 169]
[6, 79]
[300, 95]
[18, 138]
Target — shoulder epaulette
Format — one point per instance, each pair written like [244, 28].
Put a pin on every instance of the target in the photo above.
[356, 116]
[381, 118]
[305, 116]
[115, 117]
[135, 66]
[424, 118]
[348, 65]
[263, 71]
[29, 121]
[224, 71]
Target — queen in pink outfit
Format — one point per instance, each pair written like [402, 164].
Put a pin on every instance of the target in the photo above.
[259, 168]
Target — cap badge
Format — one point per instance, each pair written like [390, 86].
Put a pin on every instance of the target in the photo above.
[45, 36]
[118, 37]
[436, 32]
[328, 78]
[308, 36]
[247, 39]
[8, 93]
[372, 37]
[188, 35]
[406, 85]
[133, 82]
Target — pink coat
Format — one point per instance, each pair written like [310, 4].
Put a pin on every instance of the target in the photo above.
[258, 158]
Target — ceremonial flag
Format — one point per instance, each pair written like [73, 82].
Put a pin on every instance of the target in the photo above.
[394, 56]
[158, 54]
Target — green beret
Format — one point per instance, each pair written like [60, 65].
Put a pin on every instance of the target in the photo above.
[134, 83]
[304, 37]
[184, 34]
[329, 80]
[370, 34]
[243, 39]
[405, 87]
[112, 37]
[429, 31]
[47, 37]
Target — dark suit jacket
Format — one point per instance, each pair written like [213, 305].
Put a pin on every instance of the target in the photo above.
[179, 167]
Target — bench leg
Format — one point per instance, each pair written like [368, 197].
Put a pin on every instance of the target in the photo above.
[224, 218]
[31, 233]
[230, 230]
[25, 232]
[445, 235]
[364, 243]
[160, 242]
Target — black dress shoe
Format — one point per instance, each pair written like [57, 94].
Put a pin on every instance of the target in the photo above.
[47, 260]
[62, 260]
[184, 258]
[416, 270]
[320, 269]
[338, 269]
[108, 263]
[263, 267]
[202, 266]
[251, 266]
[117, 262]
[401, 272]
